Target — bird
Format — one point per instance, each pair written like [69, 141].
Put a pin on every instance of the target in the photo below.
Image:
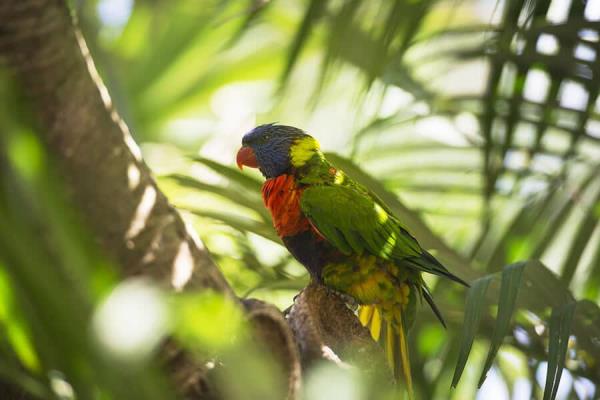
[347, 238]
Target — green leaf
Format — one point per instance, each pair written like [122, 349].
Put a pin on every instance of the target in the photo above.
[297, 284]
[252, 202]
[232, 174]
[240, 223]
[255, 9]
[207, 320]
[580, 240]
[592, 285]
[474, 306]
[562, 204]
[511, 281]
[559, 331]
[34, 386]
[313, 13]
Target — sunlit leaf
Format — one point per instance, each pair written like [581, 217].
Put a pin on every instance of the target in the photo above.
[233, 195]
[12, 326]
[208, 320]
[231, 173]
[313, 13]
[255, 9]
[580, 240]
[241, 223]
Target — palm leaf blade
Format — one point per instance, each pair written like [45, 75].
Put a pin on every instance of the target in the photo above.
[511, 281]
[474, 306]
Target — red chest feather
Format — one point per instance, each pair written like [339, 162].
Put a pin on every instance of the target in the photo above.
[282, 198]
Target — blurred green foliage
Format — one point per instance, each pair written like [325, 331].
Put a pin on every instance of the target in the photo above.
[478, 122]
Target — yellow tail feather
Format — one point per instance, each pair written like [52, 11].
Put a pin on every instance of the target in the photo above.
[365, 313]
[389, 346]
[405, 357]
[392, 335]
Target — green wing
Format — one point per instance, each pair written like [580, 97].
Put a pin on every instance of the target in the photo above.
[355, 223]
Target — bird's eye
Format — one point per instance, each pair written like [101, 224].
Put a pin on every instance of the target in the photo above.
[266, 138]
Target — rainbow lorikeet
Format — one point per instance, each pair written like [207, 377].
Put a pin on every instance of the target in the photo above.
[346, 237]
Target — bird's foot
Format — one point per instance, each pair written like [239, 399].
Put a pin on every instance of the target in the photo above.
[350, 301]
[289, 309]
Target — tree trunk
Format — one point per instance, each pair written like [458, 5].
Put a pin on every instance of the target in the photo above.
[102, 165]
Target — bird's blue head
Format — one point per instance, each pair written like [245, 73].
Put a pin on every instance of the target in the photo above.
[276, 149]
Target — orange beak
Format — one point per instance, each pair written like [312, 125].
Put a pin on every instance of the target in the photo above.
[246, 156]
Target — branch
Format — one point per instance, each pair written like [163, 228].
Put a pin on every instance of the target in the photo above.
[326, 329]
